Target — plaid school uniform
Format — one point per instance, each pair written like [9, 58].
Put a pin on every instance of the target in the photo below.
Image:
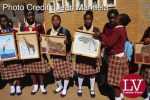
[11, 70]
[118, 67]
[86, 65]
[37, 66]
[62, 66]
[118, 62]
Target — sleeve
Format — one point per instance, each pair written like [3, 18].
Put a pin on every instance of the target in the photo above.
[48, 32]
[110, 40]
[40, 29]
[97, 32]
[69, 39]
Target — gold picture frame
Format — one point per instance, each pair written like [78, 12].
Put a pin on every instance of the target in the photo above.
[85, 45]
[8, 49]
[53, 45]
[28, 45]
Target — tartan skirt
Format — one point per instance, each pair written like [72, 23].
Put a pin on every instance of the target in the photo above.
[87, 66]
[117, 68]
[11, 70]
[62, 67]
[39, 66]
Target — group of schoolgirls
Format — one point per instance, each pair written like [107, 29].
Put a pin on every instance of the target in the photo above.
[113, 39]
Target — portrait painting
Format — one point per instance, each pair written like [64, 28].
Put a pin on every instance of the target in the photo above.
[69, 5]
[52, 6]
[60, 6]
[81, 5]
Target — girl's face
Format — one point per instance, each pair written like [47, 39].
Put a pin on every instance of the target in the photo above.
[30, 17]
[3, 22]
[88, 21]
[56, 22]
[117, 20]
[147, 40]
[112, 18]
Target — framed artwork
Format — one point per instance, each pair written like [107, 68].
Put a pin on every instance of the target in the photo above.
[142, 54]
[110, 3]
[69, 5]
[53, 45]
[8, 50]
[60, 6]
[52, 6]
[93, 4]
[28, 45]
[84, 44]
[81, 5]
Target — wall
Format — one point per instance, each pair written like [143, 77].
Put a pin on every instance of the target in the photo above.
[72, 20]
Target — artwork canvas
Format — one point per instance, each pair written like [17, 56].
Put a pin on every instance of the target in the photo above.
[69, 5]
[93, 3]
[60, 6]
[53, 45]
[81, 4]
[8, 47]
[84, 44]
[142, 54]
[28, 46]
[52, 6]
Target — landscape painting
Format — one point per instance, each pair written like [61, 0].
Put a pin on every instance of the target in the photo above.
[84, 44]
[7, 47]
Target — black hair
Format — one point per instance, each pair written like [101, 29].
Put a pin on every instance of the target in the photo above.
[88, 12]
[26, 11]
[112, 11]
[10, 23]
[55, 15]
[4, 16]
[146, 34]
[124, 19]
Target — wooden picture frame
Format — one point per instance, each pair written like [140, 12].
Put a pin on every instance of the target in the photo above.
[8, 50]
[85, 45]
[142, 54]
[28, 45]
[53, 45]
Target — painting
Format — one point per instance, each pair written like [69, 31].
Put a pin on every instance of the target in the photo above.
[81, 5]
[111, 3]
[69, 5]
[52, 6]
[85, 45]
[142, 54]
[28, 46]
[8, 49]
[53, 45]
[93, 4]
[60, 6]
